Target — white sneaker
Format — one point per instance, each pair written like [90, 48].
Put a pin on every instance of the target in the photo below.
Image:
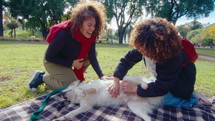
[202, 99]
[32, 89]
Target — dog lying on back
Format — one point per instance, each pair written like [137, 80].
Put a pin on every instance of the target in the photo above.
[95, 92]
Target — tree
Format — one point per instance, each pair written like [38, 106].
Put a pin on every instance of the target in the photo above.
[172, 10]
[125, 12]
[207, 42]
[39, 13]
[31, 25]
[12, 26]
[204, 35]
[211, 32]
[1, 18]
[11, 23]
[185, 28]
[194, 25]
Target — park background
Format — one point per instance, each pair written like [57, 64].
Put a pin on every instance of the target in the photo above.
[24, 25]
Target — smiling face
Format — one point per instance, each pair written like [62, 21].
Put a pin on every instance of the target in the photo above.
[88, 27]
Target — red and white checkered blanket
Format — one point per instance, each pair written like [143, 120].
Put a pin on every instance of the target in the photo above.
[58, 106]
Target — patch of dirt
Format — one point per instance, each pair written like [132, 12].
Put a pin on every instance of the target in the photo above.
[5, 77]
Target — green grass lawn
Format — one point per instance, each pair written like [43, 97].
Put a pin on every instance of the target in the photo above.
[19, 60]
[207, 51]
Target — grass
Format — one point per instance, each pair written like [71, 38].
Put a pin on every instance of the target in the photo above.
[207, 51]
[19, 60]
[22, 33]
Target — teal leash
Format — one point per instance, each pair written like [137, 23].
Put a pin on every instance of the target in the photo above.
[36, 115]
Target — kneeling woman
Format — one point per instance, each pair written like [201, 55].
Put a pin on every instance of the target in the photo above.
[72, 47]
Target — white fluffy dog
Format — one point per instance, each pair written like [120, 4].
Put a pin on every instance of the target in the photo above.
[95, 92]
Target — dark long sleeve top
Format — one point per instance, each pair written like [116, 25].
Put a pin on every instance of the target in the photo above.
[64, 49]
[170, 75]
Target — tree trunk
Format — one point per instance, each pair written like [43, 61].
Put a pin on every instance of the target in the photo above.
[125, 38]
[14, 32]
[1, 19]
[11, 33]
[121, 34]
[33, 33]
[120, 38]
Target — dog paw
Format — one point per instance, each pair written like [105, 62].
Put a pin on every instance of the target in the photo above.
[144, 85]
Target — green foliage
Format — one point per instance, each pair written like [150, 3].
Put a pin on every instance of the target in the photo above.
[118, 9]
[207, 42]
[205, 35]
[196, 36]
[185, 28]
[19, 60]
[195, 25]
[211, 31]
[39, 13]
[11, 23]
[193, 34]
[182, 30]
[109, 8]
[172, 10]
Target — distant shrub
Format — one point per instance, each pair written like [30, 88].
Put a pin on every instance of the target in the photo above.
[208, 42]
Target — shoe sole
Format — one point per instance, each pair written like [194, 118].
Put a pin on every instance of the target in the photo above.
[201, 98]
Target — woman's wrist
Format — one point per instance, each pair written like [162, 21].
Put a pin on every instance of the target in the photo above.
[116, 80]
[102, 77]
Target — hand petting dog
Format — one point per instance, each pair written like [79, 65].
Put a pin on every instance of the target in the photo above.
[129, 88]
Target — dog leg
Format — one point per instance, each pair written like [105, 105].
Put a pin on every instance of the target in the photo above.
[141, 109]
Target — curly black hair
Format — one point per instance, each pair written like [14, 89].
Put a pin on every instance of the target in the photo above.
[156, 38]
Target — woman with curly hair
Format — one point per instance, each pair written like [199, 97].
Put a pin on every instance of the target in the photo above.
[72, 47]
[156, 41]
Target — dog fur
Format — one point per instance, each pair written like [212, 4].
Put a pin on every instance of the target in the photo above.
[95, 92]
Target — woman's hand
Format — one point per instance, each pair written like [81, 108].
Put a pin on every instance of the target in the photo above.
[114, 89]
[129, 88]
[78, 63]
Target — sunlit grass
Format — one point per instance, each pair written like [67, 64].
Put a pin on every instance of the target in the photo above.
[207, 51]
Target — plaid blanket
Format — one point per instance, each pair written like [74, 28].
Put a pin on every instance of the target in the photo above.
[58, 106]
